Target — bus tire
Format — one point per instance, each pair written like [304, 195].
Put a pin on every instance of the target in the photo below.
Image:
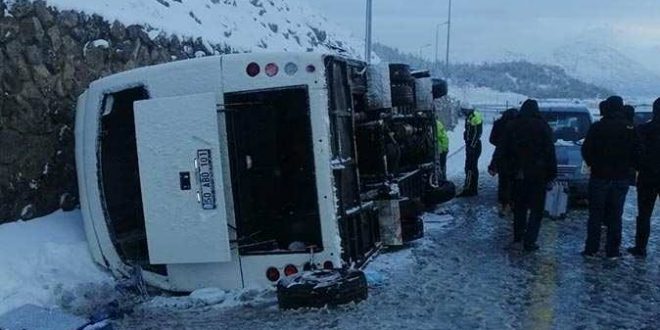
[400, 73]
[319, 288]
[402, 95]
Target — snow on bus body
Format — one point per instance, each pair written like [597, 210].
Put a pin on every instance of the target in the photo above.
[178, 108]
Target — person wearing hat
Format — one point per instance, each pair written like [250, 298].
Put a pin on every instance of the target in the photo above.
[648, 181]
[530, 153]
[472, 137]
[611, 149]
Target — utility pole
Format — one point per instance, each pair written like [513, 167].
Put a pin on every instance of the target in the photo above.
[421, 50]
[367, 55]
[437, 47]
[447, 73]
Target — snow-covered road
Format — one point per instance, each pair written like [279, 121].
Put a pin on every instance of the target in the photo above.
[460, 276]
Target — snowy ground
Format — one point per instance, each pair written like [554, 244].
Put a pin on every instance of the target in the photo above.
[460, 276]
[46, 262]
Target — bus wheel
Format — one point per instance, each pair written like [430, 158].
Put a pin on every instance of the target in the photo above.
[316, 289]
[402, 95]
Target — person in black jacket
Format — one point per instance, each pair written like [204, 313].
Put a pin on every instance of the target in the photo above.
[629, 113]
[530, 152]
[611, 150]
[498, 165]
[648, 182]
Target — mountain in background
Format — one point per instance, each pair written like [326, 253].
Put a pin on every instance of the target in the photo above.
[602, 64]
[521, 77]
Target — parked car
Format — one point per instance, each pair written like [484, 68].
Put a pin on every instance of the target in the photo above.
[570, 124]
[643, 114]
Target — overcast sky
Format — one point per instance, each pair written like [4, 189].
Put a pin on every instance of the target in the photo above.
[486, 30]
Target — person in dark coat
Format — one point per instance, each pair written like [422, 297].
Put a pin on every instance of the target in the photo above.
[601, 109]
[629, 113]
[611, 149]
[530, 151]
[472, 137]
[498, 165]
[648, 181]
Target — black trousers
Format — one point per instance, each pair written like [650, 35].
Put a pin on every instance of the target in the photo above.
[505, 188]
[442, 159]
[472, 155]
[646, 197]
[528, 205]
[606, 201]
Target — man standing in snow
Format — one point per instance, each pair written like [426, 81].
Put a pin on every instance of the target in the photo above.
[498, 165]
[530, 152]
[610, 149]
[472, 137]
[648, 182]
[443, 147]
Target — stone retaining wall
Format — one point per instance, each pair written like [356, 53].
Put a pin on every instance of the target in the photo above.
[47, 58]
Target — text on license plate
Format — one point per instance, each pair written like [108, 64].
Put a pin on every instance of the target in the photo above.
[206, 182]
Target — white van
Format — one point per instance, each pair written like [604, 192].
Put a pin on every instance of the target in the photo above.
[230, 171]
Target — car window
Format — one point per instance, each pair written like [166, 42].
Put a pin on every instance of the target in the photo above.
[568, 126]
[643, 117]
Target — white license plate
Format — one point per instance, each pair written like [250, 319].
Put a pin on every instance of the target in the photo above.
[206, 182]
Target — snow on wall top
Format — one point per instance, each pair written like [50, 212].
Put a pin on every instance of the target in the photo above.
[244, 25]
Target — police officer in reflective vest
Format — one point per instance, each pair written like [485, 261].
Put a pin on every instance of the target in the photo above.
[472, 137]
[443, 148]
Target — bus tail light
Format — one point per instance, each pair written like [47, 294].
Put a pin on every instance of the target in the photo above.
[328, 265]
[311, 68]
[273, 274]
[290, 270]
[253, 69]
[272, 69]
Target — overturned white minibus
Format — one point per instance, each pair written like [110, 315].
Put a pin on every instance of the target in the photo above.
[229, 171]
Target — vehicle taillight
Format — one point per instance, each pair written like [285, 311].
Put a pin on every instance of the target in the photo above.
[311, 68]
[328, 265]
[291, 69]
[253, 69]
[273, 274]
[272, 69]
[290, 270]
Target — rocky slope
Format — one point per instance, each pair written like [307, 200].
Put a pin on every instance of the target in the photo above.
[51, 50]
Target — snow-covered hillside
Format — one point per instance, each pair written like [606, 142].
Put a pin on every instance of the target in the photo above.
[243, 25]
[601, 64]
[483, 96]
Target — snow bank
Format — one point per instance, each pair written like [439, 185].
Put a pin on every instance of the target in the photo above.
[46, 262]
[283, 25]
